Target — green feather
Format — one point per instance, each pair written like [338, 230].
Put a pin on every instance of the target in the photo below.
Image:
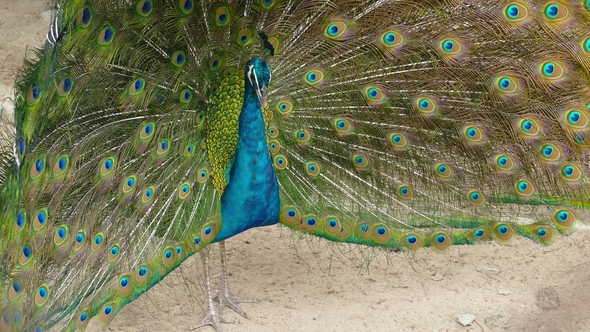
[401, 124]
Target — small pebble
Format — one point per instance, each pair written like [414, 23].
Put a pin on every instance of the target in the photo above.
[549, 329]
[504, 291]
[465, 319]
[496, 321]
[547, 298]
[488, 270]
[437, 277]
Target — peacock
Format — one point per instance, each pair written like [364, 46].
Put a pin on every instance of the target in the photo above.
[147, 130]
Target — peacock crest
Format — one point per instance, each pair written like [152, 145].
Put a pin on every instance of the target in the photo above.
[147, 130]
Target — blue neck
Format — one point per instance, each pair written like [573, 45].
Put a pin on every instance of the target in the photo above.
[251, 198]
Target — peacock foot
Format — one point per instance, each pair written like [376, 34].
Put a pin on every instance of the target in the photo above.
[214, 318]
[226, 299]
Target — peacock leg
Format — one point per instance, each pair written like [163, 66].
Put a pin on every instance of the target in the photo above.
[226, 299]
[213, 316]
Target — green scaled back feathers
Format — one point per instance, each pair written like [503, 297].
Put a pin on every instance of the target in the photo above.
[401, 124]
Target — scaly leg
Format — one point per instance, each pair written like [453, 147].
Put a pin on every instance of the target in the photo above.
[226, 299]
[213, 316]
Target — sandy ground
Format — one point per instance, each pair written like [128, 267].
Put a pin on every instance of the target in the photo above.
[312, 285]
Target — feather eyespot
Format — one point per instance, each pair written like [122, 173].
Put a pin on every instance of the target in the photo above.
[136, 86]
[503, 232]
[516, 12]
[473, 134]
[14, 290]
[144, 7]
[342, 126]
[146, 131]
[97, 242]
[106, 36]
[79, 239]
[60, 235]
[302, 138]
[274, 146]
[113, 253]
[405, 192]
[398, 141]
[40, 219]
[425, 106]
[507, 84]
[360, 161]
[244, 37]
[25, 255]
[450, 46]
[480, 233]
[524, 188]
[215, 62]
[178, 58]
[189, 150]
[124, 285]
[21, 145]
[443, 170]
[84, 17]
[65, 86]
[290, 215]
[381, 233]
[552, 70]
[576, 119]
[374, 95]
[210, 230]
[412, 241]
[19, 221]
[476, 197]
[203, 175]
[107, 166]
[185, 96]
[280, 162]
[312, 169]
[142, 274]
[184, 190]
[529, 127]
[148, 195]
[564, 219]
[83, 319]
[107, 313]
[163, 147]
[556, 12]
[273, 132]
[267, 4]
[185, 6]
[571, 172]
[33, 93]
[314, 77]
[550, 152]
[41, 295]
[336, 30]
[332, 225]
[391, 39]
[440, 241]
[284, 107]
[222, 16]
[169, 256]
[37, 168]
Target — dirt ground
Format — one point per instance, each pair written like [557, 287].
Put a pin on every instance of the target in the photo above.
[307, 284]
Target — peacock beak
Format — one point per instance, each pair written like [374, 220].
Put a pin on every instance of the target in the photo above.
[263, 96]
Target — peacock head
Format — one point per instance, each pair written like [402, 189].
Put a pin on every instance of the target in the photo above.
[258, 77]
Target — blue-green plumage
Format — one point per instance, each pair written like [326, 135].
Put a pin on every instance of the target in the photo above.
[400, 124]
[251, 197]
